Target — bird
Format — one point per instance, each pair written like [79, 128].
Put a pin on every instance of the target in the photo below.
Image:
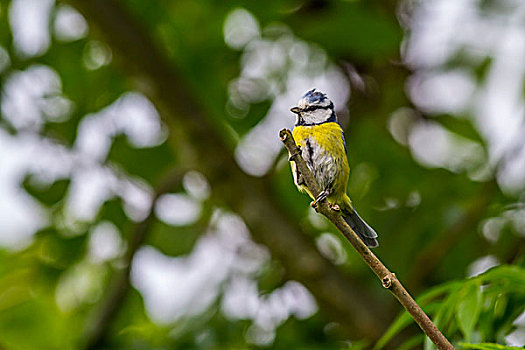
[322, 145]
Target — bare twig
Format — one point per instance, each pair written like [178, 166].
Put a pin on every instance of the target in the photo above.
[388, 278]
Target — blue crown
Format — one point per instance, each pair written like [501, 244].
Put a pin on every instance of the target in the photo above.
[315, 97]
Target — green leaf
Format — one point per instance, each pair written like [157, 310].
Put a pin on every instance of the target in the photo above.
[488, 346]
[397, 326]
[469, 308]
[446, 310]
[401, 322]
[404, 319]
[512, 276]
[434, 292]
[428, 345]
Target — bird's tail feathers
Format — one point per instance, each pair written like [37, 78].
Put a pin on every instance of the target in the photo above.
[363, 230]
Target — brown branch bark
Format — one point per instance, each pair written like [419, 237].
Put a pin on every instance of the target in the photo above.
[200, 146]
[388, 278]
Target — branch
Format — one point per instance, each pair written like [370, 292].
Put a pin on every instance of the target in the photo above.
[200, 146]
[99, 324]
[388, 278]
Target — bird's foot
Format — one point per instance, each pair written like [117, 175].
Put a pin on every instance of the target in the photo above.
[321, 197]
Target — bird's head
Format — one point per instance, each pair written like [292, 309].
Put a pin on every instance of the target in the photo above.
[314, 108]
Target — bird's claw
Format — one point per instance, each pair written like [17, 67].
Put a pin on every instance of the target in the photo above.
[292, 156]
[321, 197]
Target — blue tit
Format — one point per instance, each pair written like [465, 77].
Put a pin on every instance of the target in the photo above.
[322, 144]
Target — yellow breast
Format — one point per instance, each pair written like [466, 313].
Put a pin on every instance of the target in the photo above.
[328, 136]
[330, 165]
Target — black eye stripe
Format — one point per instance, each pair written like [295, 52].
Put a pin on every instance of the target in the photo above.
[313, 108]
[316, 107]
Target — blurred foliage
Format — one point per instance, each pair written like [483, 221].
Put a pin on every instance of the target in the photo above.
[432, 220]
[481, 308]
[488, 346]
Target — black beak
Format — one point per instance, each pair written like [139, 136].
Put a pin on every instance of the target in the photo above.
[295, 110]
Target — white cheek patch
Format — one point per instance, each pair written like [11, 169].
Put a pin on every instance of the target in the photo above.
[317, 116]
